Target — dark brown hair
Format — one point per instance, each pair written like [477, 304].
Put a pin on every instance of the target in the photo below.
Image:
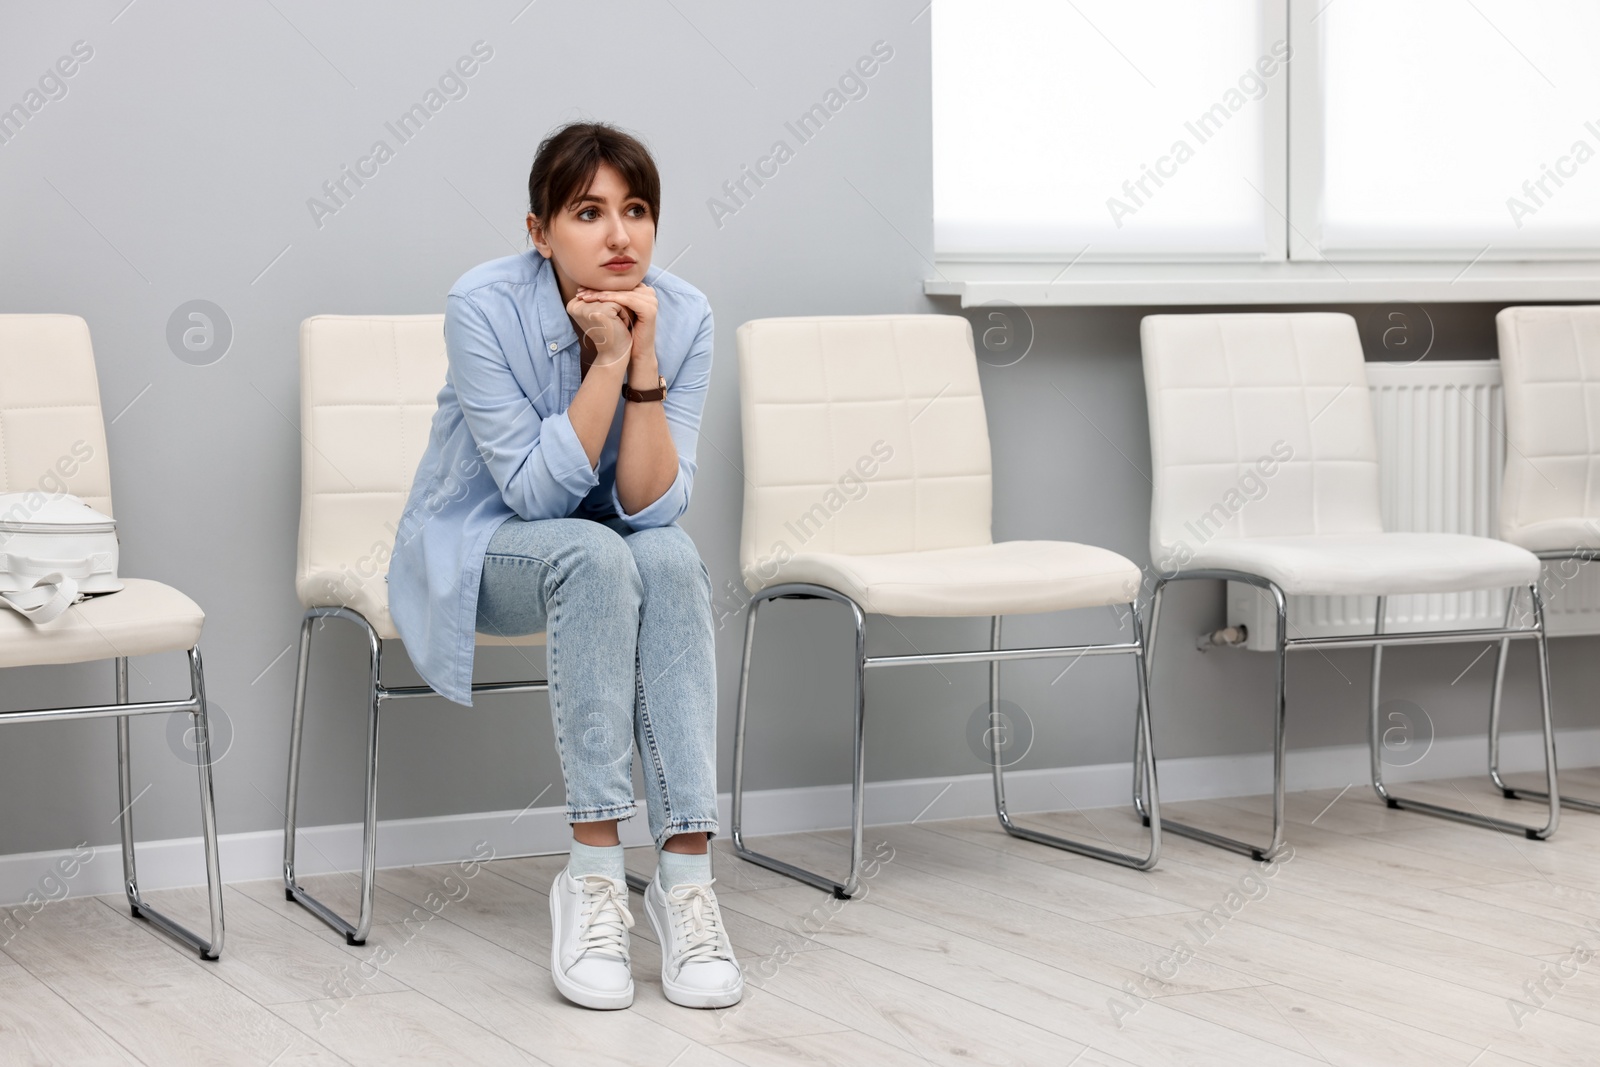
[567, 160]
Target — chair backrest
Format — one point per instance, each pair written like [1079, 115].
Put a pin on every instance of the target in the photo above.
[1260, 426]
[1550, 365]
[369, 386]
[52, 433]
[863, 434]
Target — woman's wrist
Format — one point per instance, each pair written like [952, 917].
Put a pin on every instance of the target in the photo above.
[610, 366]
[642, 367]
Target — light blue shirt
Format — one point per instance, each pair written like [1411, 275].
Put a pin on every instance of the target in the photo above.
[502, 445]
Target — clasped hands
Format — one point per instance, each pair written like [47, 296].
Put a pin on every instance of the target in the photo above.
[621, 324]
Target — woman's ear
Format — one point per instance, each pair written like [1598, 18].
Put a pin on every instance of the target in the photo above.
[536, 235]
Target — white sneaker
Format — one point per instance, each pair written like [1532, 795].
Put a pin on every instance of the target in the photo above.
[589, 923]
[697, 965]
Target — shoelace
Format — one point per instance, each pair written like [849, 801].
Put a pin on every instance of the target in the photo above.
[606, 919]
[698, 920]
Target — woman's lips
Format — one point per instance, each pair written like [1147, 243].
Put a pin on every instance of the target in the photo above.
[619, 265]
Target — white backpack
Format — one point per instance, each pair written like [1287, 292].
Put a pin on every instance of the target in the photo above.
[54, 551]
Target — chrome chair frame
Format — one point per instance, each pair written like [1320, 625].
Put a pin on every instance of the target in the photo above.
[1377, 641]
[122, 711]
[994, 656]
[378, 693]
[1582, 555]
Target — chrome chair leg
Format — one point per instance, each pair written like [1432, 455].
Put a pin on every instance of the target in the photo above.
[208, 801]
[354, 934]
[125, 798]
[1283, 646]
[208, 949]
[852, 881]
[1280, 721]
[291, 801]
[1139, 807]
[1143, 756]
[805, 590]
[1496, 692]
[1552, 797]
[1141, 731]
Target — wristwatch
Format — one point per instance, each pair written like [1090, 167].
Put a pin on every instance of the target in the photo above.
[640, 396]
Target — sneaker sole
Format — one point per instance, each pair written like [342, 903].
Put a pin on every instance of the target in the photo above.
[582, 996]
[686, 998]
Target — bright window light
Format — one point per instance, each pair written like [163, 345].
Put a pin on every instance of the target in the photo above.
[1106, 129]
[1449, 129]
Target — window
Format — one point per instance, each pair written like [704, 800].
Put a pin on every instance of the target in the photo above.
[1266, 132]
[1446, 129]
[1106, 128]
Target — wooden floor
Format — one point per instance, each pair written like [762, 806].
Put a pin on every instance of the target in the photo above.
[1385, 938]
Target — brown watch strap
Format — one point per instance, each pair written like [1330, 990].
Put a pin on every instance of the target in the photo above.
[640, 396]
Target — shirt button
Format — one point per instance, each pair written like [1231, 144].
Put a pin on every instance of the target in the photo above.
[553, 346]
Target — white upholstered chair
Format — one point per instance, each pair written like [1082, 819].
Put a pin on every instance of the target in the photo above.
[368, 390]
[1239, 402]
[1550, 498]
[867, 482]
[55, 442]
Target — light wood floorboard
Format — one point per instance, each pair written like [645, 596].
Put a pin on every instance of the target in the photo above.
[1385, 937]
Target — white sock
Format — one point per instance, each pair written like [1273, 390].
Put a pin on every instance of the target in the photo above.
[596, 859]
[681, 868]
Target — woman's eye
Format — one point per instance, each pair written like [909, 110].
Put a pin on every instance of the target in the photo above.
[585, 212]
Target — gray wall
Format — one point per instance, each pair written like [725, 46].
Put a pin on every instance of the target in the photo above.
[178, 166]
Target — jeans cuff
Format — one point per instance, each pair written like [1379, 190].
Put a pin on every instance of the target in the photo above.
[687, 826]
[600, 814]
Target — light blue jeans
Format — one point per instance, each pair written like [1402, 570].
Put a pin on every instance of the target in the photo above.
[629, 655]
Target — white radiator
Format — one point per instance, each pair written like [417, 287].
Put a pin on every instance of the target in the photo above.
[1441, 449]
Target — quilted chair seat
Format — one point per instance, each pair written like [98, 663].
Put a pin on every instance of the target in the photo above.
[1008, 578]
[141, 618]
[1382, 564]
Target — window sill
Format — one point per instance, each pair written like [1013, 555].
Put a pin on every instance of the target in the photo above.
[1158, 284]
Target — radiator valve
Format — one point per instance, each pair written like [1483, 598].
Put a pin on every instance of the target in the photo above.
[1227, 637]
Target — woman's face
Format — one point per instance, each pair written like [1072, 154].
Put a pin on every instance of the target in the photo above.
[601, 241]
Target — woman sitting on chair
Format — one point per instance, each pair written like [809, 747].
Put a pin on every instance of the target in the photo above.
[561, 456]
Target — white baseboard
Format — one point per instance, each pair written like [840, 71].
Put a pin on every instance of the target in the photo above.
[448, 838]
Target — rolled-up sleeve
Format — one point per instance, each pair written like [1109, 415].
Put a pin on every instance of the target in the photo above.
[685, 402]
[538, 462]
